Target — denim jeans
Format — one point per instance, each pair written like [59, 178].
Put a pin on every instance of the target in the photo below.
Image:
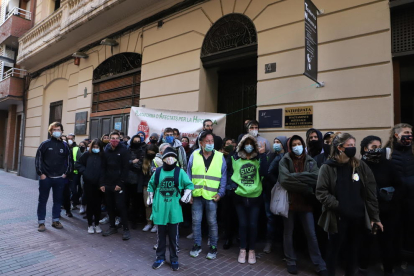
[57, 185]
[248, 210]
[199, 204]
[308, 224]
[271, 221]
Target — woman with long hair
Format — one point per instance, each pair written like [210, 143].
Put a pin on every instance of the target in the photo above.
[90, 165]
[249, 165]
[152, 151]
[388, 194]
[346, 188]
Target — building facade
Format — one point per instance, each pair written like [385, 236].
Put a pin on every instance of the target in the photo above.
[16, 18]
[206, 56]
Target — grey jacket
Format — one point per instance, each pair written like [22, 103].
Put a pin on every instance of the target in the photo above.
[304, 182]
[325, 193]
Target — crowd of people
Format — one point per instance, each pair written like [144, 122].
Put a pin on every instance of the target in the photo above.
[344, 203]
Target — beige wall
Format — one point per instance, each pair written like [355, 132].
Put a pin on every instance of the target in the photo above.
[354, 62]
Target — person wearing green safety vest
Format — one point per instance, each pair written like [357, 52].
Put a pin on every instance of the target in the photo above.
[249, 166]
[207, 169]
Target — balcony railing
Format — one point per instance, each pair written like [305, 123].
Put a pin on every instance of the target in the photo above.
[14, 72]
[19, 12]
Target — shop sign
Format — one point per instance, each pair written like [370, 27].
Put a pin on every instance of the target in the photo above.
[81, 119]
[271, 118]
[311, 41]
[299, 117]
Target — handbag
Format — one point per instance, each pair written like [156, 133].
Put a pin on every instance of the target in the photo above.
[279, 202]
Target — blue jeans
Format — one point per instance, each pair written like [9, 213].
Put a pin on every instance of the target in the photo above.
[199, 204]
[271, 221]
[57, 185]
[308, 224]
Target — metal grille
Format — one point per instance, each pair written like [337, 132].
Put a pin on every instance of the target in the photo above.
[116, 93]
[402, 24]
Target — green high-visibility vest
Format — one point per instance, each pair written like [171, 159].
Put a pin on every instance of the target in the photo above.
[75, 153]
[206, 183]
[246, 176]
[155, 163]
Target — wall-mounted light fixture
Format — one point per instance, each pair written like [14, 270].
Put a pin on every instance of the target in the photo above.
[109, 42]
[78, 56]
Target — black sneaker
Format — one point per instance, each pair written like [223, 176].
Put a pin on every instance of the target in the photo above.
[157, 264]
[109, 232]
[69, 214]
[212, 253]
[175, 266]
[195, 251]
[323, 273]
[126, 235]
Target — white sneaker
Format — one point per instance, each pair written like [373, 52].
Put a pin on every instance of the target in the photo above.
[98, 229]
[117, 221]
[147, 228]
[105, 220]
[208, 242]
[190, 237]
[82, 209]
[154, 229]
[155, 247]
[91, 230]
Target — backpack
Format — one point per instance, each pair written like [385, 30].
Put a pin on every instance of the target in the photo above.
[176, 178]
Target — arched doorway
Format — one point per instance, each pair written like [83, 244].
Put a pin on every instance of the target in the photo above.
[230, 49]
[116, 87]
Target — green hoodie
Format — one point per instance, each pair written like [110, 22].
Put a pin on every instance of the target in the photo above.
[166, 206]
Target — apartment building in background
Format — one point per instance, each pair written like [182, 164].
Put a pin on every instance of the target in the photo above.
[94, 59]
[16, 18]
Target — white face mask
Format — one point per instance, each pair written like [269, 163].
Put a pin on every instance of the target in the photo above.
[254, 132]
[170, 160]
[70, 142]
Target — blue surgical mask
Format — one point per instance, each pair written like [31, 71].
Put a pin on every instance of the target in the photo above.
[298, 150]
[142, 139]
[169, 139]
[95, 150]
[57, 134]
[277, 147]
[248, 148]
[209, 147]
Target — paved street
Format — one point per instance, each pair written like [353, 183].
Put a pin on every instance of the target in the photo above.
[71, 251]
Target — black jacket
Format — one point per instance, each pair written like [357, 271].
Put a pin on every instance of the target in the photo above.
[386, 176]
[403, 162]
[53, 158]
[90, 165]
[116, 166]
[135, 170]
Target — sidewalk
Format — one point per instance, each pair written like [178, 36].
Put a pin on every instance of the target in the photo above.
[72, 251]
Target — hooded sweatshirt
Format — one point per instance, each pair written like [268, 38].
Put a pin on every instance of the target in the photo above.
[298, 175]
[316, 147]
[135, 169]
[273, 175]
[246, 173]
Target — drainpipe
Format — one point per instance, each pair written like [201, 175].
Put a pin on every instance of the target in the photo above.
[23, 124]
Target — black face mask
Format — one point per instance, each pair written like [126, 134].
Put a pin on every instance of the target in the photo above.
[350, 152]
[151, 156]
[135, 144]
[167, 167]
[82, 149]
[327, 149]
[313, 143]
[153, 141]
[373, 155]
[406, 140]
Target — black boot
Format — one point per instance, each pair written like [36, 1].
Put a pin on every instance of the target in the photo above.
[126, 235]
[227, 244]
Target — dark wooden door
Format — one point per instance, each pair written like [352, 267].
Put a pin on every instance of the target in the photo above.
[237, 97]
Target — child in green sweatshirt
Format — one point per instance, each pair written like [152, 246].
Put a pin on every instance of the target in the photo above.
[164, 193]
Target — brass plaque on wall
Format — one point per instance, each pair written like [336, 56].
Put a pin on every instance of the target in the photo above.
[299, 117]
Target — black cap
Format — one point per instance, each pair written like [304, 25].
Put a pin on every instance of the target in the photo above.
[169, 152]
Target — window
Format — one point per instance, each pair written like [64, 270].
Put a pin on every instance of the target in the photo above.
[57, 4]
[56, 112]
